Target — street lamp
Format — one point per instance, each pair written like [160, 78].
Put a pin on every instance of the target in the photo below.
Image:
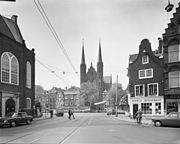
[116, 96]
[169, 7]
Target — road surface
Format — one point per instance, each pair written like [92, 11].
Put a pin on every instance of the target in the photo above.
[88, 128]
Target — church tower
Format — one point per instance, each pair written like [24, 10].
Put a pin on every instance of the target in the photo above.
[100, 72]
[82, 67]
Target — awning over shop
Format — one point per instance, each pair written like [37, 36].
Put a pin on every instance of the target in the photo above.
[98, 103]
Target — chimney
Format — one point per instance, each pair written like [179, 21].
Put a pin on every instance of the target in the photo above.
[14, 18]
[160, 47]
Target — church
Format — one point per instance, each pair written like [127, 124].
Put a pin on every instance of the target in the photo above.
[103, 83]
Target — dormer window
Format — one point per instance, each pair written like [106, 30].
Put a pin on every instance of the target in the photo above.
[145, 59]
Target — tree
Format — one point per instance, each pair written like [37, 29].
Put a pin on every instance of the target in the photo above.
[120, 94]
[89, 94]
[39, 90]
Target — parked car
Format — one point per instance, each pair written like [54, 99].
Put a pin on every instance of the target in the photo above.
[59, 113]
[172, 119]
[15, 119]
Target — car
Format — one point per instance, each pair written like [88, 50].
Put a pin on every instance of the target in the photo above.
[59, 113]
[15, 119]
[172, 119]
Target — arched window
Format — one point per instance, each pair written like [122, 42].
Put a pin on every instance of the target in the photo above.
[28, 75]
[14, 71]
[28, 103]
[9, 69]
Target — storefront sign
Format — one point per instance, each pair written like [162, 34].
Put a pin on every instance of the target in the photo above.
[145, 100]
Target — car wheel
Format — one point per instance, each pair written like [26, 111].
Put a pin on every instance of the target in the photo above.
[13, 124]
[28, 122]
[158, 123]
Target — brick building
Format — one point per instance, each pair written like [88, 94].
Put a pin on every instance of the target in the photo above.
[17, 69]
[145, 74]
[171, 44]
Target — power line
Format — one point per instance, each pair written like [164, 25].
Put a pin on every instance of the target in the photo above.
[53, 72]
[51, 28]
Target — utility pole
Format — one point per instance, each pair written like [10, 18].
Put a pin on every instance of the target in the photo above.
[116, 96]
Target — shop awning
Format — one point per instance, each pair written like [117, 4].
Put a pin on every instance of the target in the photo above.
[98, 103]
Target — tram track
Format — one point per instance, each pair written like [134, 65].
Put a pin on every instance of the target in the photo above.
[59, 139]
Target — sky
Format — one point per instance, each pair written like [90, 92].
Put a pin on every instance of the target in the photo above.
[120, 25]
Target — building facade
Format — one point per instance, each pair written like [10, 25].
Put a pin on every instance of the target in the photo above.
[71, 98]
[171, 44]
[93, 76]
[17, 69]
[145, 74]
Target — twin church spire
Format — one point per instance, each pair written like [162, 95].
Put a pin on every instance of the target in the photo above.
[99, 54]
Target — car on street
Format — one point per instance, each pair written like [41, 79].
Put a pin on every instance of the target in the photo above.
[172, 119]
[59, 113]
[15, 119]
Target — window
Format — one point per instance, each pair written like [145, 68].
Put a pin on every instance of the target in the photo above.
[146, 73]
[173, 53]
[153, 89]
[146, 108]
[139, 90]
[28, 75]
[158, 108]
[145, 59]
[5, 68]
[9, 69]
[28, 103]
[174, 79]
[66, 103]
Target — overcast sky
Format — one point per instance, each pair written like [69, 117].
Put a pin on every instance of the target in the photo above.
[119, 24]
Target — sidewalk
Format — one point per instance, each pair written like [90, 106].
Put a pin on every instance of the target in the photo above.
[145, 121]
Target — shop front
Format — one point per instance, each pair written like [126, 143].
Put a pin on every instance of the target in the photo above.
[150, 106]
[172, 103]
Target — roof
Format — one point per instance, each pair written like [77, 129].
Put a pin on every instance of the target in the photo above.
[132, 57]
[9, 27]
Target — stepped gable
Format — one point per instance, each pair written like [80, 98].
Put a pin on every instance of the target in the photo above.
[173, 25]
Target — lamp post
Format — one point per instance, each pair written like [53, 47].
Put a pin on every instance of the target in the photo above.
[116, 96]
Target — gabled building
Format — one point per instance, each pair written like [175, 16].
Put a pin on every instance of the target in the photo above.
[171, 44]
[17, 69]
[145, 74]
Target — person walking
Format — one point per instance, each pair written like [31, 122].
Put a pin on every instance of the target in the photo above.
[69, 114]
[139, 116]
[72, 113]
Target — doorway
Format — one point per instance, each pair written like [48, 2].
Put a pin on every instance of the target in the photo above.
[10, 106]
[135, 109]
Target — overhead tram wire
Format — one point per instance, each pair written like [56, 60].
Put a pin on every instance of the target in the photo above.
[53, 72]
[51, 28]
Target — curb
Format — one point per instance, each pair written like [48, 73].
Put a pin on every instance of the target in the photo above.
[133, 120]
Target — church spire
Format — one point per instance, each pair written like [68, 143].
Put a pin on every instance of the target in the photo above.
[99, 56]
[83, 57]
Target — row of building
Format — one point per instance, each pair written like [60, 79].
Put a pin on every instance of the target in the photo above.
[154, 76]
[58, 99]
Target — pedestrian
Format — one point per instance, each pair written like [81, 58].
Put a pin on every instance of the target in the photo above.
[72, 113]
[51, 113]
[69, 114]
[139, 116]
